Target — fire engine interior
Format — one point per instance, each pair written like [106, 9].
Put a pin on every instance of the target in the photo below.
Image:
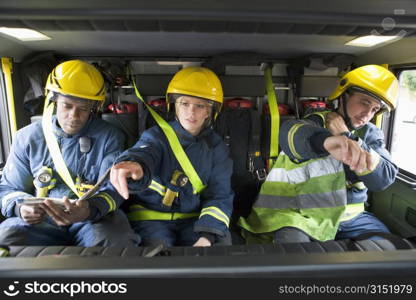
[305, 48]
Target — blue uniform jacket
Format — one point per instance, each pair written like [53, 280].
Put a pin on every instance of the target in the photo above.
[209, 156]
[29, 153]
[307, 142]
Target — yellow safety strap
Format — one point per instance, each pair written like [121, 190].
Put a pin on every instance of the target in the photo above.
[141, 213]
[7, 67]
[157, 187]
[53, 146]
[378, 120]
[81, 187]
[274, 115]
[175, 145]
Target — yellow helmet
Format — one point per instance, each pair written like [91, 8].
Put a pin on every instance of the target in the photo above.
[372, 79]
[78, 79]
[196, 81]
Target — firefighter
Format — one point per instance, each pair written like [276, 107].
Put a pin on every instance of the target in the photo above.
[165, 206]
[86, 147]
[318, 186]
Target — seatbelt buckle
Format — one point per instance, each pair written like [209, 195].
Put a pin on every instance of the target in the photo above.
[82, 187]
[250, 163]
[227, 140]
[261, 174]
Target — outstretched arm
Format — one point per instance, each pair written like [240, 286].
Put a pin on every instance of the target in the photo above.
[121, 171]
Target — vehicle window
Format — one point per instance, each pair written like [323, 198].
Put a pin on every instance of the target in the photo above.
[402, 147]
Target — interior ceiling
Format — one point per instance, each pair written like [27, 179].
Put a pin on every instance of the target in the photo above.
[193, 29]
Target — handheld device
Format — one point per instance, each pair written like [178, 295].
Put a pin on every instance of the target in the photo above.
[58, 201]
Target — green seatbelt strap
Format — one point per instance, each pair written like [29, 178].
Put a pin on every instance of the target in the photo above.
[274, 115]
[175, 145]
[53, 146]
[7, 68]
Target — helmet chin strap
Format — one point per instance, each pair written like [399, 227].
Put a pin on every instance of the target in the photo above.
[344, 115]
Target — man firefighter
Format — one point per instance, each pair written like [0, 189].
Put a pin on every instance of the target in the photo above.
[317, 188]
[62, 157]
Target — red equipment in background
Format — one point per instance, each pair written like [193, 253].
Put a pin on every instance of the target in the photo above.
[239, 103]
[313, 104]
[284, 109]
[123, 108]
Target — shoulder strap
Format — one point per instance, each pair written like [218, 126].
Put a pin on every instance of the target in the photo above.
[175, 145]
[143, 117]
[53, 146]
[255, 161]
[274, 115]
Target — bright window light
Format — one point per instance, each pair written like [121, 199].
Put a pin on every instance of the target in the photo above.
[24, 34]
[371, 40]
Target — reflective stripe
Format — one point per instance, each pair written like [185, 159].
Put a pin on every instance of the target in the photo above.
[216, 213]
[313, 202]
[157, 187]
[318, 183]
[110, 201]
[315, 168]
[321, 114]
[375, 160]
[140, 213]
[352, 211]
[6, 198]
[291, 133]
[321, 200]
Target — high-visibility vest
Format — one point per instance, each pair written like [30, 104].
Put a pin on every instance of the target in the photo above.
[310, 196]
[353, 209]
